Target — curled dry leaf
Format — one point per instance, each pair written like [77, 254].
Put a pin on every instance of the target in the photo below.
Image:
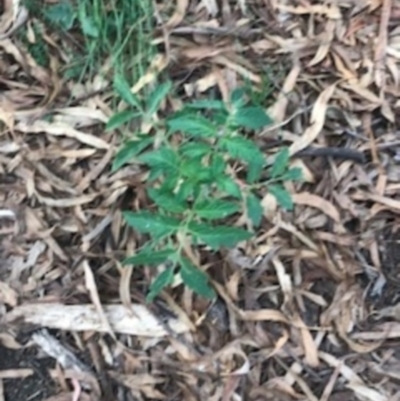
[179, 13]
[308, 199]
[316, 122]
[60, 129]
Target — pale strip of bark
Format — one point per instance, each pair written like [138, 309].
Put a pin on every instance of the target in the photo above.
[138, 321]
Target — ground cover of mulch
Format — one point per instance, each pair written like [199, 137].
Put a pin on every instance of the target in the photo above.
[307, 310]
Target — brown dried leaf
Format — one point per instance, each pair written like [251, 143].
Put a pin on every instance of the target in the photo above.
[317, 121]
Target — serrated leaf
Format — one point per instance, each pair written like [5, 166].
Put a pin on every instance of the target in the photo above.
[156, 225]
[120, 118]
[157, 96]
[195, 149]
[282, 196]
[149, 257]
[255, 168]
[170, 182]
[215, 209]
[207, 105]
[161, 281]
[281, 163]
[228, 185]
[164, 158]
[242, 148]
[167, 200]
[218, 165]
[252, 117]
[254, 209]
[123, 89]
[128, 151]
[218, 236]
[195, 170]
[193, 124]
[155, 173]
[195, 279]
[187, 190]
[293, 174]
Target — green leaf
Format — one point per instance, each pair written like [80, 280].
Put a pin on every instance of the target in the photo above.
[167, 200]
[293, 174]
[88, 24]
[195, 149]
[255, 168]
[156, 225]
[149, 257]
[161, 281]
[220, 117]
[281, 163]
[238, 97]
[282, 196]
[207, 105]
[128, 151]
[61, 14]
[187, 190]
[164, 158]
[195, 279]
[254, 209]
[215, 209]
[155, 173]
[252, 117]
[195, 170]
[193, 124]
[242, 148]
[157, 96]
[246, 150]
[228, 185]
[170, 182]
[120, 118]
[123, 89]
[218, 236]
[218, 165]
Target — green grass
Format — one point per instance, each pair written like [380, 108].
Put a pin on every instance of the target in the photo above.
[118, 31]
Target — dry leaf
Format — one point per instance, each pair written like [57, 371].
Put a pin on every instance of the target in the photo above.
[317, 121]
